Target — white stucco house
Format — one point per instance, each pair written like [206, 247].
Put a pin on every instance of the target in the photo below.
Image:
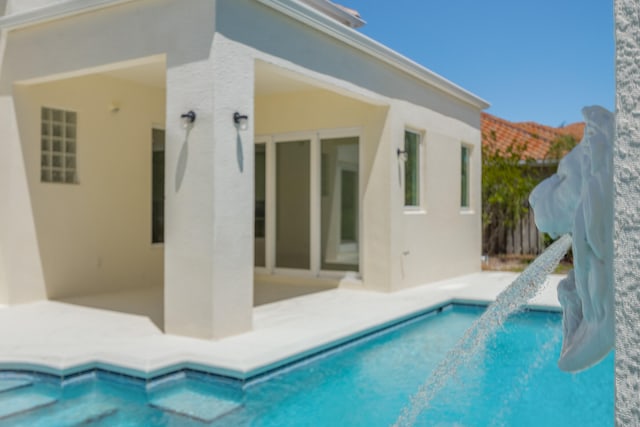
[124, 165]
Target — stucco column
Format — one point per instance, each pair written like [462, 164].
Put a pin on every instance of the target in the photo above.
[380, 176]
[21, 277]
[233, 186]
[209, 197]
[4, 196]
[627, 208]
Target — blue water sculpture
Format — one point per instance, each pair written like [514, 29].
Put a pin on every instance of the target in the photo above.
[578, 200]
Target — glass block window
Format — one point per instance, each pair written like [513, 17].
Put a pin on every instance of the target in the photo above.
[412, 169]
[465, 156]
[58, 162]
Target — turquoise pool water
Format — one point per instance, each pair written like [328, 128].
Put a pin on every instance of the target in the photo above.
[514, 382]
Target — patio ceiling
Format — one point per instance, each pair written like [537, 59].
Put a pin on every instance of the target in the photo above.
[149, 74]
[271, 79]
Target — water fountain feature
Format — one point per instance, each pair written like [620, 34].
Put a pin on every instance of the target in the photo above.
[576, 201]
[512, 299]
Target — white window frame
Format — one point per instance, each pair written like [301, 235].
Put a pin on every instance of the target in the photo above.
[270, 206]
[420, 207]
[315, 137]
[468, 207]
[335, 134]
[49, 138]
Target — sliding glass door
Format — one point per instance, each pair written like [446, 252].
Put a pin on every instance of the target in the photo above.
[260, 207]
[307, 204]
[340, 204]
[292, 204]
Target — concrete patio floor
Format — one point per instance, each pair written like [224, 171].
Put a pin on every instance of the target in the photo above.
[65, 337]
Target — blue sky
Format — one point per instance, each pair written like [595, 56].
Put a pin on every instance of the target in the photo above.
[532, 60]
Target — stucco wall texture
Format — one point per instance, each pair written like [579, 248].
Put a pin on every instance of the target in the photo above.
[211, 63]
[627, 213]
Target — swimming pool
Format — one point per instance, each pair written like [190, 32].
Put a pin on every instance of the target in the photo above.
[365, 383]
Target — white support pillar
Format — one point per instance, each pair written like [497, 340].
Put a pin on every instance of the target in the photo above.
[21, 274]
[627, 211]
[209, 197]
[377, 206]
[4, 197]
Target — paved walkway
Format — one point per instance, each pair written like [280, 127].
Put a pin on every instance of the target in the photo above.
[61, 337]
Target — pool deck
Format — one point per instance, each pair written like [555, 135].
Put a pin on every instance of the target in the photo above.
[63, 338]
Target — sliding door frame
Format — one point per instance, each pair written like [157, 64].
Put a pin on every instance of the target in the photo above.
[315, 138]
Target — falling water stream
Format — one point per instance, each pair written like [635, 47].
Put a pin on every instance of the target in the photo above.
[512, 299]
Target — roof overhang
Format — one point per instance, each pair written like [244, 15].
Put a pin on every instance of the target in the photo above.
[54, 11]
[336, 12]
[317, 20]
[292, 8]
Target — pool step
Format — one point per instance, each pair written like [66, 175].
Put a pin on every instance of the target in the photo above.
[23, 402]
[77, 413]
[11, 384]
[196, 405]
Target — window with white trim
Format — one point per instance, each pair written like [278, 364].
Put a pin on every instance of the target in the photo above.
[58, 160]
[412, 148]
[465, 168]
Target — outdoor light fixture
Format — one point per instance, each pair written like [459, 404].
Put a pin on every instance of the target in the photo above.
[188, 118]
[114, 107]
[402, 155]
[241, 121]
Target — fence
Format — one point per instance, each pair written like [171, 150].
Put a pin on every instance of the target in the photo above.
[523, 239]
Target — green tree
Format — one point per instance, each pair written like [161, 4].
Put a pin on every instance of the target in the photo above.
[507, 181]
[560, 147]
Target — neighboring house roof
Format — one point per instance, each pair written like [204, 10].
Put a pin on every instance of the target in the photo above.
[500, 133]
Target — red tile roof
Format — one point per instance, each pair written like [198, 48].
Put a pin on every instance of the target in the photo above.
[500, 134]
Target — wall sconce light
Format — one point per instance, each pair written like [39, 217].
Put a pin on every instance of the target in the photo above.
[402, 155]
[241, 121]
[188, 118]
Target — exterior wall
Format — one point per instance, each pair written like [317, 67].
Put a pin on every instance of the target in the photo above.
[439, 240]
[626, 174]
[421, 247]
[21, 6]
[282, 37]
[140, 29]
[23, 276]
[210, 58]
[95, 236]
[208, 257]
[7, 121]
[4, 297]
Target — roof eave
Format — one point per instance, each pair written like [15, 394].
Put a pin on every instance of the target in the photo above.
[291, 8]
[54, 11]
[336, 12]
[325, 24]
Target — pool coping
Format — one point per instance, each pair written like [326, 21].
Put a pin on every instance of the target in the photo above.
[187, 370]
[250, 374]
[91, 370]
